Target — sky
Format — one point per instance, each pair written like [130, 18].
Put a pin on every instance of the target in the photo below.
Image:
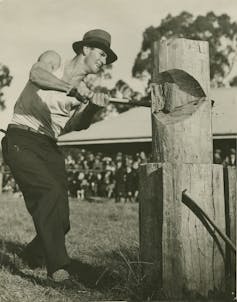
[30, 27]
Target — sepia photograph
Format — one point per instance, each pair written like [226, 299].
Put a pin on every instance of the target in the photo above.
[118, 131]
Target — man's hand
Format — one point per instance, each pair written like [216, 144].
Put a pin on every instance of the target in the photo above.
[82, 93]
[84, 90]
[75, 94]
[100, 99]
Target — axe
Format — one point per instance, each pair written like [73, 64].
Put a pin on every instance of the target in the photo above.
[182, 79]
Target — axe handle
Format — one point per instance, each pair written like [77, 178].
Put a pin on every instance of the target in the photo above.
[188, 201]
[119, 101]
[129, 102]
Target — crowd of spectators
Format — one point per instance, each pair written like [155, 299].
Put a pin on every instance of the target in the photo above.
[94, 174]
[228, 159]
[97, 175]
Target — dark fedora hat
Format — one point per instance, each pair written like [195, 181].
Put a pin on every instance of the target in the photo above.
[97, 38]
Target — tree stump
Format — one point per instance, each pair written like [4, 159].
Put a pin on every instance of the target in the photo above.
[182, 257]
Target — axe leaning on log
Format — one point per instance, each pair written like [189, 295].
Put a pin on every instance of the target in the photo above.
[195, 208]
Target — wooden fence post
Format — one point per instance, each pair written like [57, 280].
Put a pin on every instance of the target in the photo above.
[1, 177]
[230, 189]
[181, 259]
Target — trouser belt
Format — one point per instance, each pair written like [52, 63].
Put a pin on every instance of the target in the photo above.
[23, 127]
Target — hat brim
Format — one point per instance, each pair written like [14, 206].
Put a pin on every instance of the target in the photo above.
[111, 56]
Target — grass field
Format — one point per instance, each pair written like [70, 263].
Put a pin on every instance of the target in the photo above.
[103, 245]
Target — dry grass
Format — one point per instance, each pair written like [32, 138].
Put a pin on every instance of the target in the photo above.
[103, 243]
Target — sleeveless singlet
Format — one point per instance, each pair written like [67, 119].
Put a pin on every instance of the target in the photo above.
[46, 111]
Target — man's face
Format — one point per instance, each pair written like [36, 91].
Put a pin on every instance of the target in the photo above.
[95, 58]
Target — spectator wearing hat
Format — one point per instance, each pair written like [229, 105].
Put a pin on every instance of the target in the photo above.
[233, 157]
[230, 159]
[135, 181]
[120, 179]
[128, 184]
[55, 100]
[217, 156]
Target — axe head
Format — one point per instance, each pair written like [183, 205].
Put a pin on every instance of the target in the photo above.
[183, 80]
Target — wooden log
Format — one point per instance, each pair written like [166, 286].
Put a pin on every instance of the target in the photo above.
[230, 185]
[177, 88]
[181, 115]
[183, 135]
[185, 55]
[191, 264]
[192, 256]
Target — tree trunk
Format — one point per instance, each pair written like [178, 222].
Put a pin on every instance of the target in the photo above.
[181, 258]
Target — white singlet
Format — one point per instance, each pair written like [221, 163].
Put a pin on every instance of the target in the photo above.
[46, 111]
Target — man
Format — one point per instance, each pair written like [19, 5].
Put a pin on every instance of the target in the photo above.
[51, 104]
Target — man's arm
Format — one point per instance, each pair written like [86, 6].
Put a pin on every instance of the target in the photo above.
[81, 119]
[41, 73]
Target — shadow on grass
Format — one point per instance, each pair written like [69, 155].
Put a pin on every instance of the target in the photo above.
[95, 277]
[128, 266]
[8, 260]
[98, 277]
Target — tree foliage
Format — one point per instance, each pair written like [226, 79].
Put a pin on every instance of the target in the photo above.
[5, 80]
[219, 31]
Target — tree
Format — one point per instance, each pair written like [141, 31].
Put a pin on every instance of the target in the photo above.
[5, 80]
[219, 31]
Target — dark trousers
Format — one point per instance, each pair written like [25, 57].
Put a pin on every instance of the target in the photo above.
[38, 167]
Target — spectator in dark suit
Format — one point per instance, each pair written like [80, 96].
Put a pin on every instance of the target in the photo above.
[120, 175]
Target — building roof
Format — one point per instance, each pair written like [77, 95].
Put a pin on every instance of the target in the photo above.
[134, 125]
[224, 114]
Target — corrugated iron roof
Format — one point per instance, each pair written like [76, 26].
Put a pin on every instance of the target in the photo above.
[224, 114]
